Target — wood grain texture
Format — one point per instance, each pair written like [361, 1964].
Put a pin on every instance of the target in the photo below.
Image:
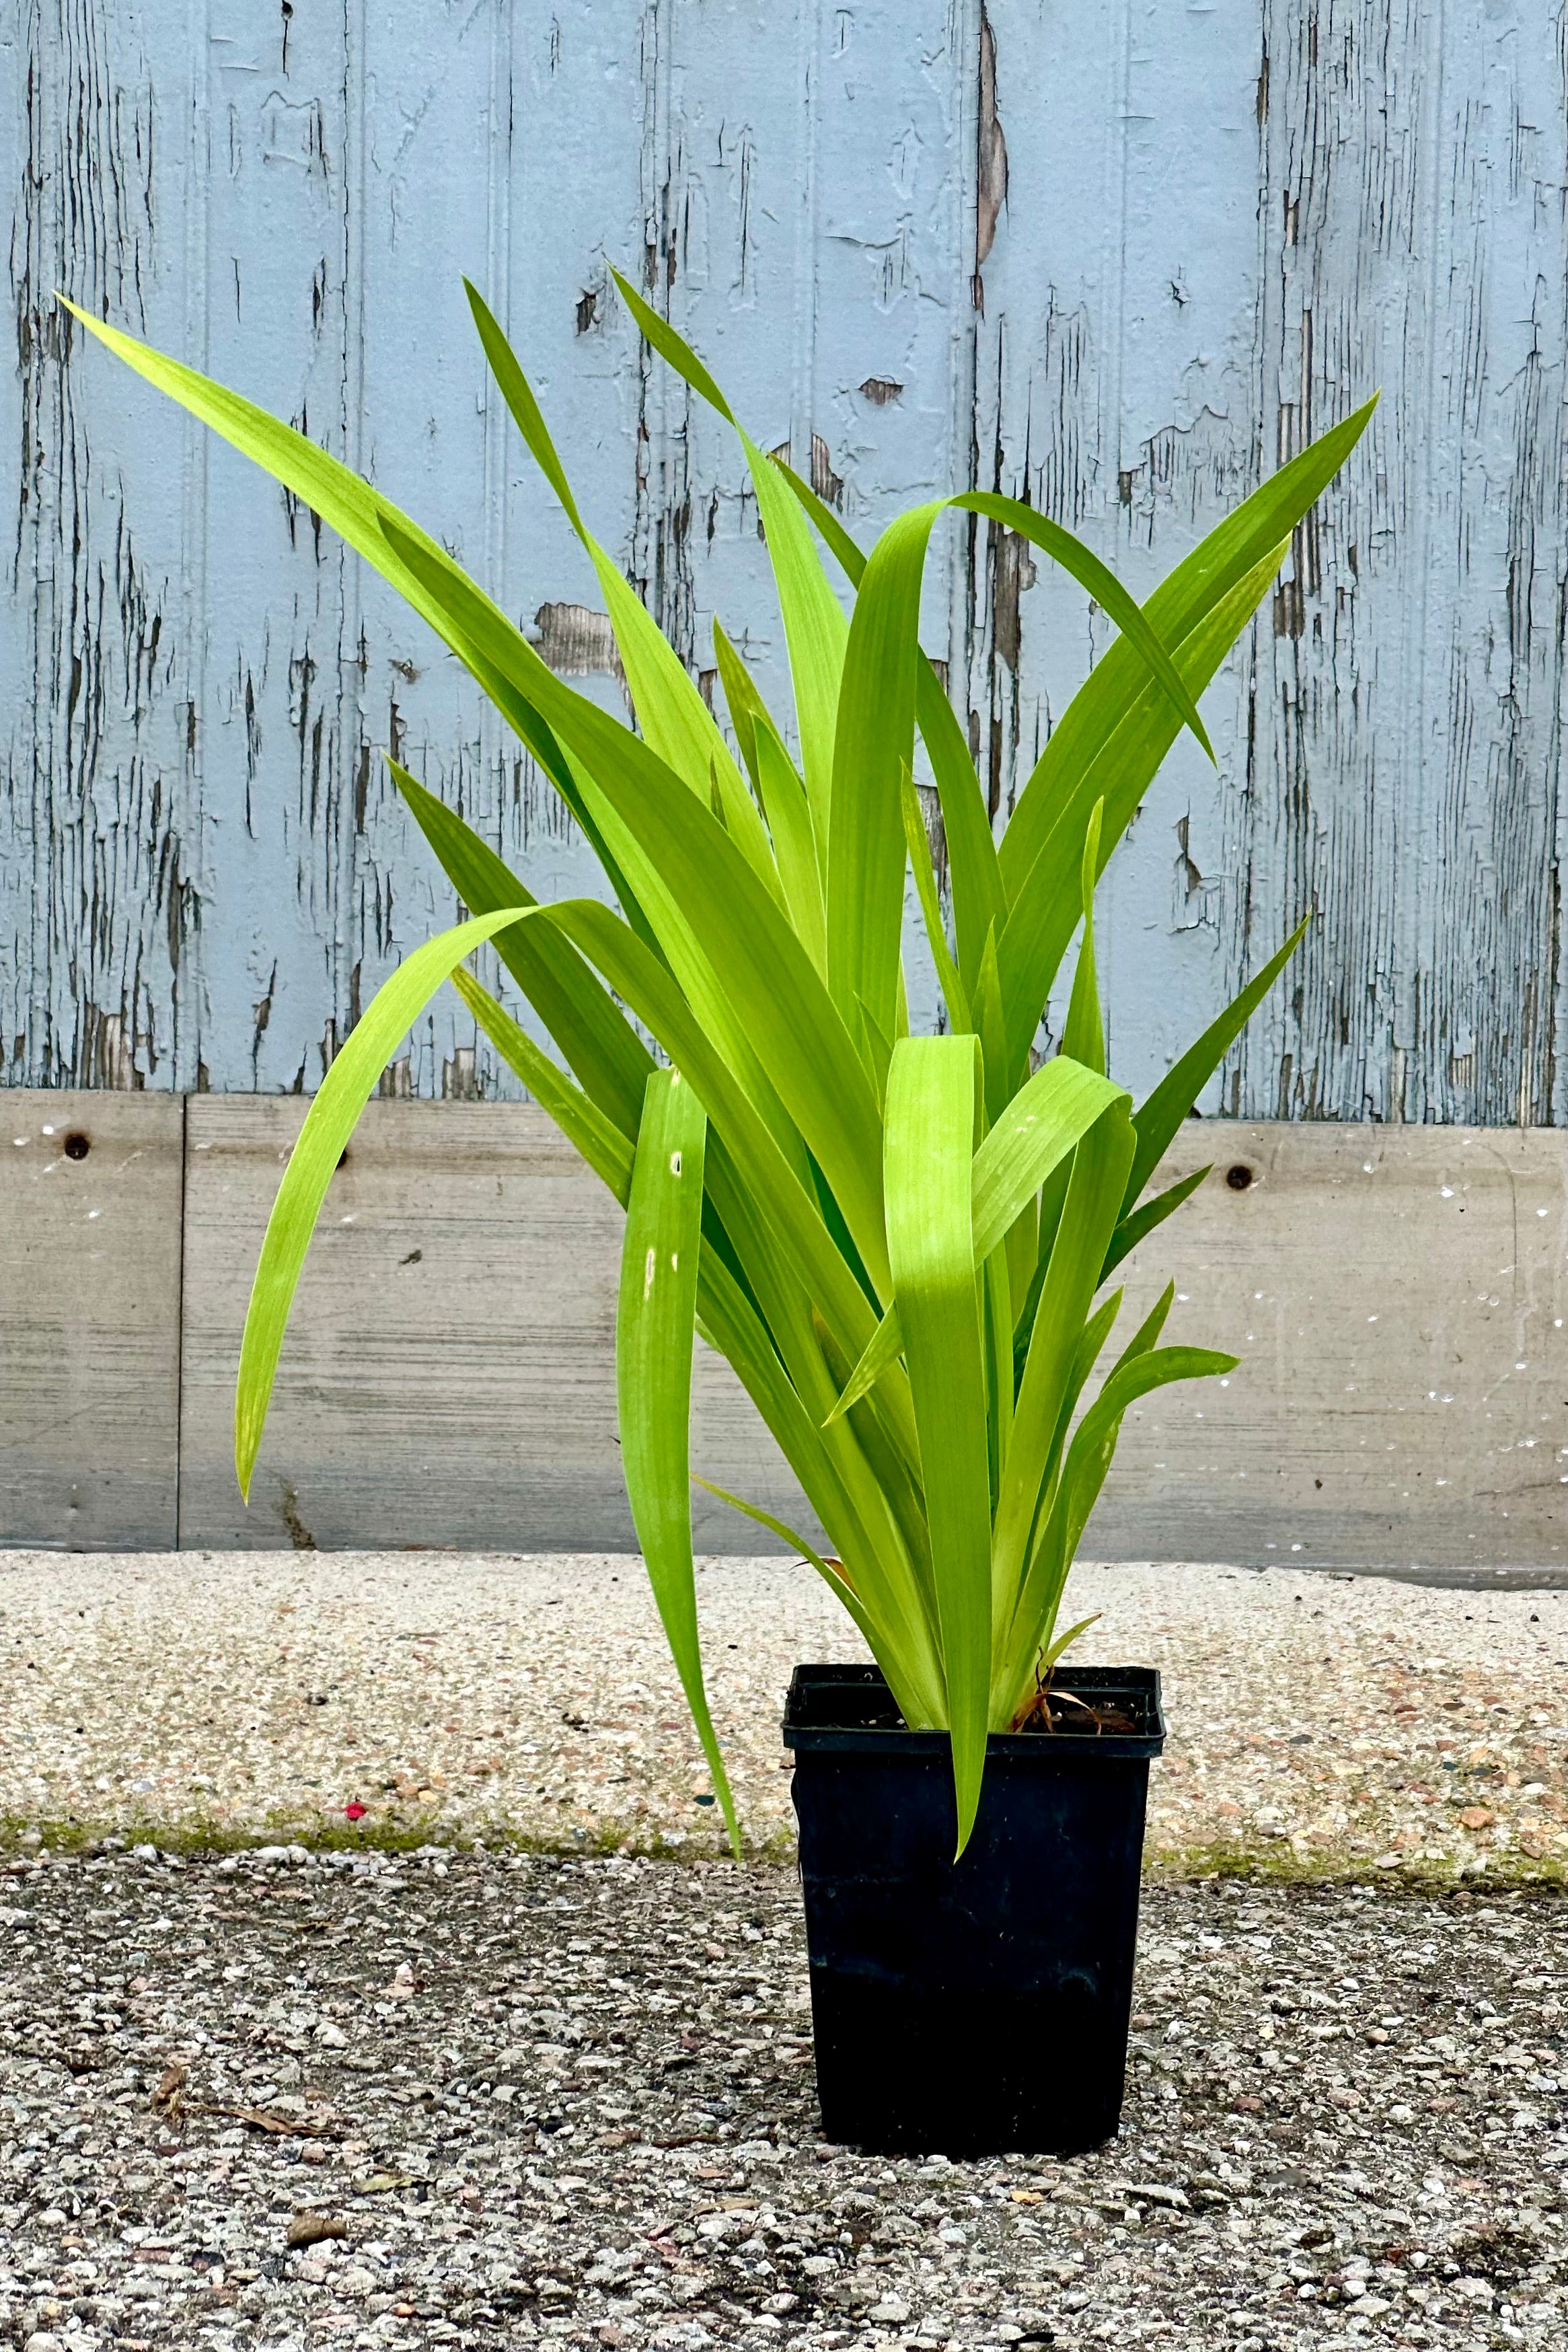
[1397, 1295]
[90, 1319]
[1119, 261]
[1397, 1298]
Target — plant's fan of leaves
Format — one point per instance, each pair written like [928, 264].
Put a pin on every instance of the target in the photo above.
[896, 1243]
[655, 1319]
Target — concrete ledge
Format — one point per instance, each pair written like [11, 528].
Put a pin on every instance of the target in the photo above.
[1398, 1295]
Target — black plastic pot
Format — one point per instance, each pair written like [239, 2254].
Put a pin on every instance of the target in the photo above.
[977, 2008]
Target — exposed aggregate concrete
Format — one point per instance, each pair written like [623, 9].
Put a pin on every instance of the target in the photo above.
[291, 2100]
[1319, 1726]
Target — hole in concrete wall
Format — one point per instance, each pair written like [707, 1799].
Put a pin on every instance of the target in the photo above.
[1240, 1177]
[77, 1145]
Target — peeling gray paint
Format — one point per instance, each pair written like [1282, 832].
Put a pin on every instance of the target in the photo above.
[1119, 261]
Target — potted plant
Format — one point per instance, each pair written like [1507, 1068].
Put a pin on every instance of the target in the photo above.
[902, 1244]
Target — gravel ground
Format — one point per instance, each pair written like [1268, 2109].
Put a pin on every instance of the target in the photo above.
[299, 2100]
[1319, 1726]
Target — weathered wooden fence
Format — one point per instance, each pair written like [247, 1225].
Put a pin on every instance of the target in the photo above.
[1121, 260]
[1118, 259]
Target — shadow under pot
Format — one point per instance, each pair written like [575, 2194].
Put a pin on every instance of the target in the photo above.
[975, 2008]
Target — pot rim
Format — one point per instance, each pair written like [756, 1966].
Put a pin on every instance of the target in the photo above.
[811, 1685]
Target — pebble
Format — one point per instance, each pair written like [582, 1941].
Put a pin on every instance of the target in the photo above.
[592, 2123]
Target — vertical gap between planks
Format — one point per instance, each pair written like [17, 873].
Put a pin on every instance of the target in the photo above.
[802, 421]
[191, 880]
[1412, 809]
[352, 857]
[491, 1076]
[962, 534]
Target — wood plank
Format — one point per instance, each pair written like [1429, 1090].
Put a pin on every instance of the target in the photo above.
[1220, 233]
[1397, 1295]
[278, 717]
[100, 620]
[449, 1373]
[90, 1319]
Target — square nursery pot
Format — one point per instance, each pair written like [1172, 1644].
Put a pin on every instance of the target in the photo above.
[977, 2008]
